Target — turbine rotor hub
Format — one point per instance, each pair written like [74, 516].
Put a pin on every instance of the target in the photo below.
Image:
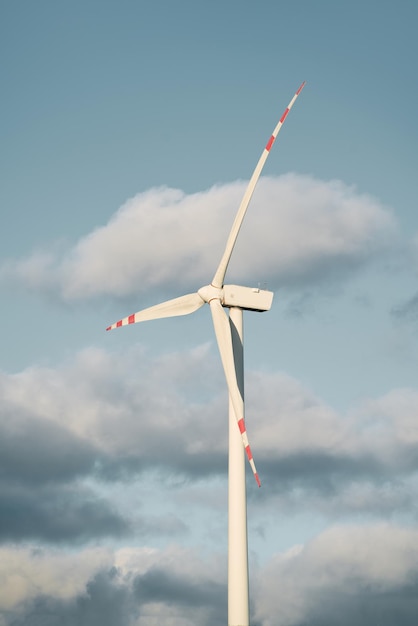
[209, 292]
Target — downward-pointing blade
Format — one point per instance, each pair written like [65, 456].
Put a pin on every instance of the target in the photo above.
[172, 308]
[218, 279]
[224, 339]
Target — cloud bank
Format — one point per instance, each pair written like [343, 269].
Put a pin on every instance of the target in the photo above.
[347, 574]
[70, 436]
[298, 229]
[103, 418]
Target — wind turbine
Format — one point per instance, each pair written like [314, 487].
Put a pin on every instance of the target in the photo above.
[229, 335]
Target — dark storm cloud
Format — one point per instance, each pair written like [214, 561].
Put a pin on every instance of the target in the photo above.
[72, 514]
[110, 600]
[40, 498]
[104, 603]
[158, 585]
[57, 514]
[166, 455]
[320, 470]
[35, 451]
[327, 473]
[340, 484]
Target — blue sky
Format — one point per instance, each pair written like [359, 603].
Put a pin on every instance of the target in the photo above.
[128, 133]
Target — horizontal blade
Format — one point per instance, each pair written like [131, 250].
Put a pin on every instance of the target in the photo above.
[224, 339]
[172, 308]
[219, 277]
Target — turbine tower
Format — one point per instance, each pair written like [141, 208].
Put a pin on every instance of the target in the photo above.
[229, 336]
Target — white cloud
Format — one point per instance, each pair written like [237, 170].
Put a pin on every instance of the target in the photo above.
[298, 229]
[342, 575]
[122, 408]
[291, 419]
[155, 584]
[119, 404]
[330, 574]
[27, 572]
[131, 412]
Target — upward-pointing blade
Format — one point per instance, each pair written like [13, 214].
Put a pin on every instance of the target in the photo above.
[172, 308]
[224, 339]
[219, 277]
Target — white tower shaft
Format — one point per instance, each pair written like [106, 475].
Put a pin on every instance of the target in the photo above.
[238, 595]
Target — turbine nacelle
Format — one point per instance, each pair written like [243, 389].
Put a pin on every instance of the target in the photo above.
[248, 298]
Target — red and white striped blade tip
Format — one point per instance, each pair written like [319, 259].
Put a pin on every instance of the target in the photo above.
[120, 323]
[184, 305]
[247, 447]
[252, 464]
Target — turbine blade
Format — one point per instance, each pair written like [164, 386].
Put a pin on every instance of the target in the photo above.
[219, 277]
[172, 308]
[224, 339]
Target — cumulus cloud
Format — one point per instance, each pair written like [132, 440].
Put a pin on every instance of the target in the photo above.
[119, 414]
[137, 586]
[346, 574]
[106, 417]
[299, 229]
[315, 458]
[292, 419]
[26, 573]
[91, 420]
